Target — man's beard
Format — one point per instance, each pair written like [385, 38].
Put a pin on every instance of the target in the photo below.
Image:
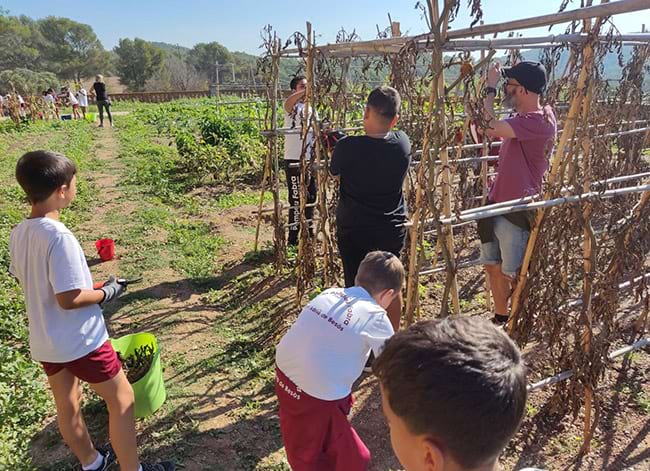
[509, 100]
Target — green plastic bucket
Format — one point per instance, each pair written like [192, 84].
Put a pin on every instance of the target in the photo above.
[149, 390]
[91, 117]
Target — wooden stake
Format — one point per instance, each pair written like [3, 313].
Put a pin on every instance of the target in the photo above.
[444, 154]
[265, 175]
[305, 262]
[589, 258]
[484, 190]
[426, 173]
[278, 233]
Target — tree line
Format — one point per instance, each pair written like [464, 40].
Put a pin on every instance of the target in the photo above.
[38, 54]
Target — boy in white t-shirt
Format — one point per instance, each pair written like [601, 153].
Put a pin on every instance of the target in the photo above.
[67, 334]
[322, 355]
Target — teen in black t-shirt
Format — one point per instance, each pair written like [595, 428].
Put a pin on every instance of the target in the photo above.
[372, 169]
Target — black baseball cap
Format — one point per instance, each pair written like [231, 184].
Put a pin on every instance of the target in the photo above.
[531, 75]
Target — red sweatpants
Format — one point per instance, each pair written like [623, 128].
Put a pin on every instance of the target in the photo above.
[317, 435]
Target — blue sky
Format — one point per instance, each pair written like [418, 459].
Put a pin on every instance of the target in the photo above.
[237, 24]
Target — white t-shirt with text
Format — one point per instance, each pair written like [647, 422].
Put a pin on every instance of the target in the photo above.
[325, 350]
[293, 142]
[47, 260]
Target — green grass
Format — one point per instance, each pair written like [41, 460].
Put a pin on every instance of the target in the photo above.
[195, 248]
[241, 198]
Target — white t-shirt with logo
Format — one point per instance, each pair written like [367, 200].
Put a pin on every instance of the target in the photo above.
[47, 260]
[325, 350]
[82, 95]
[293, 142]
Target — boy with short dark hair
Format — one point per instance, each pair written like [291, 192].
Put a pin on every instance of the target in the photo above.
[67, 333]
[321, 356]
[371, 208]
[453, 392]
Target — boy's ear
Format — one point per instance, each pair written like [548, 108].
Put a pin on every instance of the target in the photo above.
[434, 457]
[388, 295]
[393, 122]
[366, 112]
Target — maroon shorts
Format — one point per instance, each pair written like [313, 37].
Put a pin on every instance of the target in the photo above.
[75, 107]
[98, 366]
[317, 435]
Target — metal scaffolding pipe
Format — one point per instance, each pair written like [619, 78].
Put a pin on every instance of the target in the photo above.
[544, 204]
[569, 373]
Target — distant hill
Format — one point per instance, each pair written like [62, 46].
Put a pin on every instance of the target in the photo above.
[243, 61]
[172, 48]
[289, 67]
[611, 67]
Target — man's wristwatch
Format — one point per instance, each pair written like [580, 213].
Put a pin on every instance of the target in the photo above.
[489, 91]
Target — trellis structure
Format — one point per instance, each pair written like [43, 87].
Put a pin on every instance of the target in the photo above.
[589, 233]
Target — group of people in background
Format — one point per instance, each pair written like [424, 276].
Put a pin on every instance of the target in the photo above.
[454, 390]
[53, 102]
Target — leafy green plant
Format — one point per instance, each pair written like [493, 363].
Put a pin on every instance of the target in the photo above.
[137, 365]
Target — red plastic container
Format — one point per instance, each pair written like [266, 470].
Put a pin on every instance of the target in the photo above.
[105, 249]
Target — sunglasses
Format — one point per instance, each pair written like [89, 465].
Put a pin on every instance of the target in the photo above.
[507, 84]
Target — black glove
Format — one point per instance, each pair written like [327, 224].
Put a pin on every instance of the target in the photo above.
[112, 289]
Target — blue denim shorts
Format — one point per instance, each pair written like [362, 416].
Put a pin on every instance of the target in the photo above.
[507, 248]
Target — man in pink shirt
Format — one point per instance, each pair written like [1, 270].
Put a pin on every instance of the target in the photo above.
[528, 141]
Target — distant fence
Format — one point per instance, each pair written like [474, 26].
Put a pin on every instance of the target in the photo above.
[161, 97]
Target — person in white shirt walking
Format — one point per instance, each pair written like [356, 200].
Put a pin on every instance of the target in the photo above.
[82, 97]
[67, 334]
[50, 105]
[322, 355]
[72, 99]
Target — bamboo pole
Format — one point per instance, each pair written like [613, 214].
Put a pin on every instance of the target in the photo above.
[544, 41]
[421, 186]
[485, 150]
[265, 176]
[305, 261]
[278, 232]
[322, 181]
[589, 258]
[383, 46]
[598, 11]
[444, 154]
[289, 131]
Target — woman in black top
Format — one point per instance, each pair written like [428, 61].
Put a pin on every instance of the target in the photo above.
[102, 100]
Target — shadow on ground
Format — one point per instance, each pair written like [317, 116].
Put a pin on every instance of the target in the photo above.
[220, 412]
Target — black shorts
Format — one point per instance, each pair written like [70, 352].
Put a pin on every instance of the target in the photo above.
[354, 245]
